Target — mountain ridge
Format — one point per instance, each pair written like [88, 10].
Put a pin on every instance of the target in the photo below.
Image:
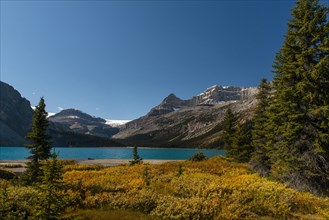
[16, 118]
[213, 95]
[83, 123]
[193, 123]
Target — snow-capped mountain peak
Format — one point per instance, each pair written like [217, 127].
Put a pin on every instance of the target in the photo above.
[213, 95]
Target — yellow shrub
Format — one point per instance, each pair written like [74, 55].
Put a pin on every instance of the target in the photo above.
[213, 189]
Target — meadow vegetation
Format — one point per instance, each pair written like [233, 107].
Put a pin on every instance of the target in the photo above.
[216, 188]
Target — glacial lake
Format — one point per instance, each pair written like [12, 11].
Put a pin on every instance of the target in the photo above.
[21, 153]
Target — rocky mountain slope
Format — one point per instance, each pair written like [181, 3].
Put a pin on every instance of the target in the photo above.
[67, 128]
[195, 122]
[15, 116]
[79, 122]
[192, 123]
[211, 96]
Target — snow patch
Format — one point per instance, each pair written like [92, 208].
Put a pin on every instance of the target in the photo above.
[51, 114]
[212, 87]
[116, 123]
[72, 116]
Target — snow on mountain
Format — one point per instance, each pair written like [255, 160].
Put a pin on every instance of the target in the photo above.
[50, 114]
[217, 94]
[116, 123]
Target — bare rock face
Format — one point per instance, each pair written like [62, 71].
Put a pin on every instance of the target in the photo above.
[15, 116]
[189, 123]
[219, 94]
[170, 104]
[211, 96]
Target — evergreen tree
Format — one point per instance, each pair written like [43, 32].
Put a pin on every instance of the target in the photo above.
[260, 160]
[298, 114]
[40, 146]
[53, 200]
[241, 148]
[136, 157]
[229, 129]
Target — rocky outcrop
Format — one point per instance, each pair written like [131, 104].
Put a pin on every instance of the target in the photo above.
[15, 116]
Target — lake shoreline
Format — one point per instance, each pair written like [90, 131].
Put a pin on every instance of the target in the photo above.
[103, 162]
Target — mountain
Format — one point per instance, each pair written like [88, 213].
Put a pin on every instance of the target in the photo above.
[211, 96]
[169, 104]
[195, 122]
[218, 94]
[67, 128]
[15, 116]
[77, 121]
[189, 123]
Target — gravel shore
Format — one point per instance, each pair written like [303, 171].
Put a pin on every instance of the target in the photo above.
[104, 162]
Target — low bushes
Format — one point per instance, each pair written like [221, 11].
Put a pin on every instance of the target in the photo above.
[216, 188]
[213, 189]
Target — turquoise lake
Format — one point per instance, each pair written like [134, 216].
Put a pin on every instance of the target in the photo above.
[21, 153]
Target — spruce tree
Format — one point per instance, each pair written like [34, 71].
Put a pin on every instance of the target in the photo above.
[229, 129]
[40, 146]
[136, 157]
[298, 114]
[260, 160]
[53, 198]
[241, 148]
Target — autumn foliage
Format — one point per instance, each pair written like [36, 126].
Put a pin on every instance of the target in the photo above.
[213, 189]
[216, 188]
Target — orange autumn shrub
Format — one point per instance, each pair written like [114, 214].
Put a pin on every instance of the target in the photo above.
[213, 189]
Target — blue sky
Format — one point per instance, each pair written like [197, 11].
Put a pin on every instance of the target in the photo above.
[118, 59]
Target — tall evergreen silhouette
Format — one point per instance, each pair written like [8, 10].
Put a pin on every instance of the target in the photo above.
[40, 145]
[229, 128]
[298, 116]
[259, 159]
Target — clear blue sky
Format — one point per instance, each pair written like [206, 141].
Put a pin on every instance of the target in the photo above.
[118, 59]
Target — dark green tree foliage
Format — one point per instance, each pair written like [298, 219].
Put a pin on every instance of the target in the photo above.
[136, 157]
[53, 200]
[299, 110]
[40, 146]
[241, 148]
[198, 157]
[229, 128]
[260, 160]
[7, 175]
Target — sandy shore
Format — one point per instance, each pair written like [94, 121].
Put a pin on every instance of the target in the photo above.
[104, 162]
[116, 162]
